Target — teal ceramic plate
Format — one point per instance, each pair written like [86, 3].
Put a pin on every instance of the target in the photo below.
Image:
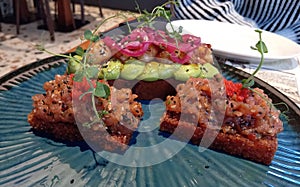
[30, 160]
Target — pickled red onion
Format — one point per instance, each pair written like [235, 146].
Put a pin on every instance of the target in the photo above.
[137, 43]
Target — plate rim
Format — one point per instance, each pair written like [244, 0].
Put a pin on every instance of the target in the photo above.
[45, 63]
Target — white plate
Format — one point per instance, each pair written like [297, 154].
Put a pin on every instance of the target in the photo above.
[234, 41]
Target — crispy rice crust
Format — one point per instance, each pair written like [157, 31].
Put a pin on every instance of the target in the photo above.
[53, 116]
[261, 150]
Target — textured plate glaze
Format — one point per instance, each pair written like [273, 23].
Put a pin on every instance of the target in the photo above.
[30, 160]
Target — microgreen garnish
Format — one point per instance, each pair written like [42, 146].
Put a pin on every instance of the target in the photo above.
[90, 36]
[261, 48]
[102, 90]
[283, 114]
[148, 18]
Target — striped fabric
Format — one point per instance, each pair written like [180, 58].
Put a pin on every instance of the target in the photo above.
[279, 16]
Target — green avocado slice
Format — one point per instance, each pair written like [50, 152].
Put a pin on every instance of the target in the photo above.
[208, 71]
[132, 69]
[111, 70]
[150, 72]
[166, 71]
[187, 71]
